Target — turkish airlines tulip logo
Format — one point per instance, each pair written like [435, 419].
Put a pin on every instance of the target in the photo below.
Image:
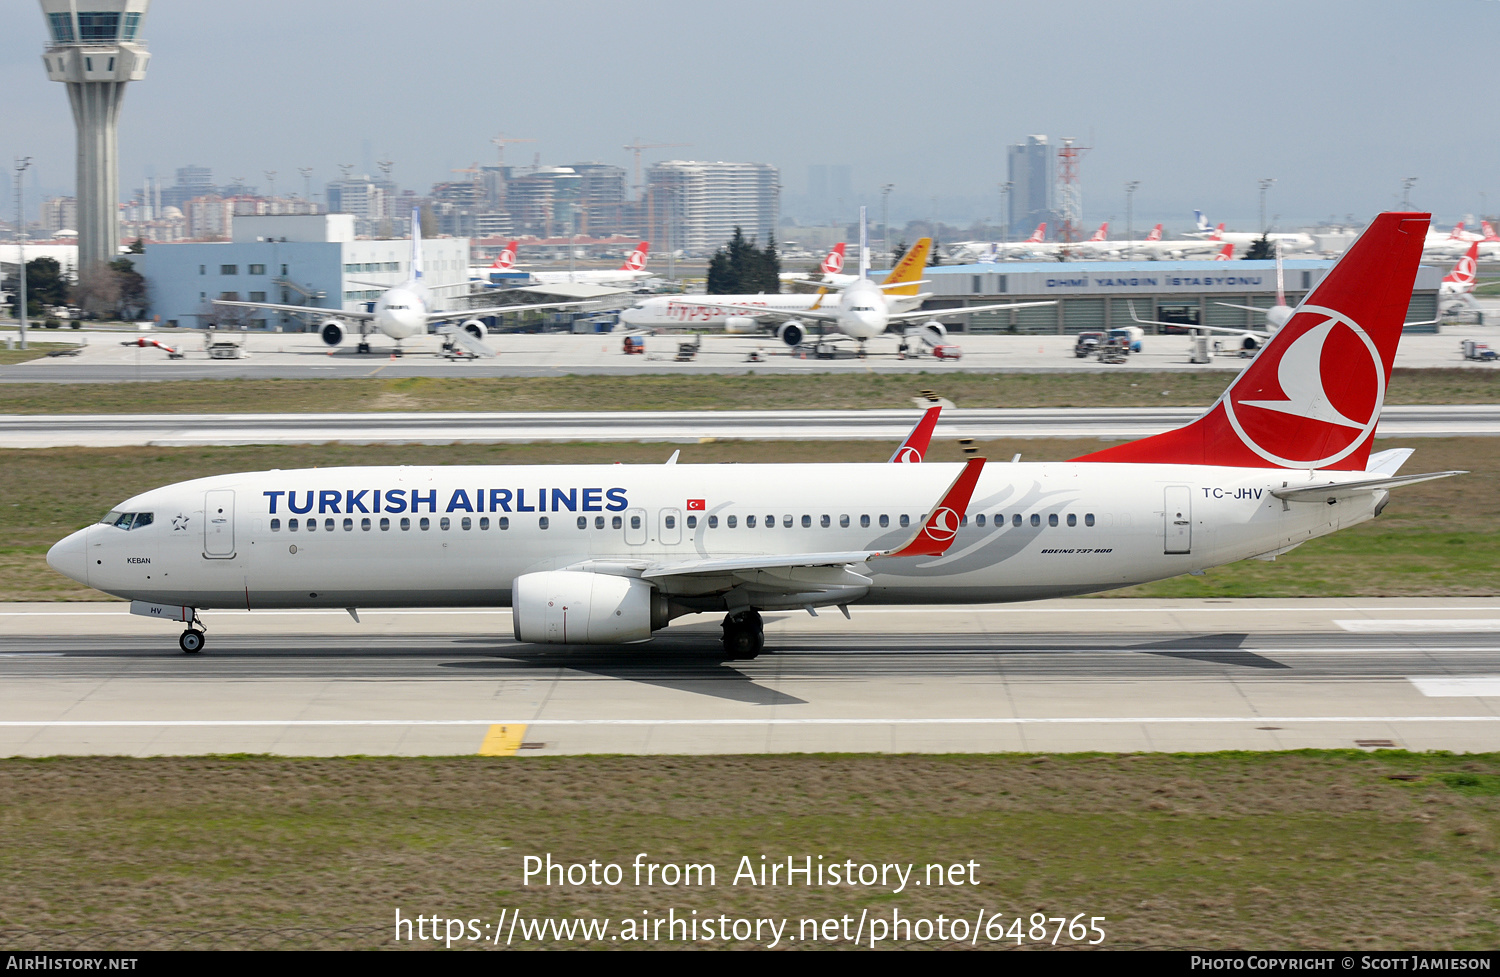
[943, 525]
[507, 258]
[1327, 344]
[834, 263]
[908, 455]
[1463, 272]
[636, 261]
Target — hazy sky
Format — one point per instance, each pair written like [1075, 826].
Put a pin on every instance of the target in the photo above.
[1336, 99]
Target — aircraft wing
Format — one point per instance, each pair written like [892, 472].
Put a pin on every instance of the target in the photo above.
[312, 309]
[495, 310]
[935, 313]
[756, 311]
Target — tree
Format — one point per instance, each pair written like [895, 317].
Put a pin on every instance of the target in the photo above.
[935, 255]
[138, 246]
[1260, 250]
[45, 285]
[741, 267]
[132, 301]
[98, 290]
[899, 252]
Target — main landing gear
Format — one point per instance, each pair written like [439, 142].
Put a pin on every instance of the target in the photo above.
[744, 635]
[191, 640]
[363, 347]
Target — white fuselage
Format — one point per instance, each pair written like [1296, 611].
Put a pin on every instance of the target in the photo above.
[401, 312]
[460, 536]
[677, 310]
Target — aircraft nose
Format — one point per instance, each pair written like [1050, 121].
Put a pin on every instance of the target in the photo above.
[70, 556]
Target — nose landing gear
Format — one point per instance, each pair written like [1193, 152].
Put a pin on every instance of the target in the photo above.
[191, 640]
[744, 635]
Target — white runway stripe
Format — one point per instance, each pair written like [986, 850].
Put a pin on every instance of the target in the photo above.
[1420, 626]
[1459, 685]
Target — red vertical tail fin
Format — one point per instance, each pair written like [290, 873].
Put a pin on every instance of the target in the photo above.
[1312, 397]
[637, 259]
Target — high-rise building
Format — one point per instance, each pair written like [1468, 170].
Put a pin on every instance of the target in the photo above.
[695, 206]
[95, 52]
[360, 196]
[59, 214]
[1032, 175]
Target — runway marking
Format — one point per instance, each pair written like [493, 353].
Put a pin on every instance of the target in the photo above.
[1459, 685]
[31, 654]
[503, 739]
[1418, 626]
[973, 721]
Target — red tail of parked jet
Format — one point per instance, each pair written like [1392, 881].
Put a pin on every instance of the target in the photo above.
[637, 259]
[1225, 254]
[1218, 234]
[1312, 397]
[1102, 233]
[833, 262]
[1155, 234]
[1039, 235]
[1461, 278]
[506, 259]
[1489, 231]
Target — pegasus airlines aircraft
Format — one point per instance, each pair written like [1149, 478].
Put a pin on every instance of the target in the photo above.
[608, 554]
[863, 309]
[401, 312]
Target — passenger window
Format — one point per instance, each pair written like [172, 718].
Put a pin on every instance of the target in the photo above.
[1052, 519]
[484, 524]
[670, 522]
[443, 524]
[291, 525]
[1015, 520]
[544, 523]
[312, 525]
[385, 524]
[713, 522]
[466, 523]
[328, 525]
[275, 525]
[364, 524]
[1072, 519]
[905, 520]
[598, 522]
[348, 525]
[583, 522]
[405, 524]
[864, 522]
[807, 521]
[844, 521]
[424, 524]
[730, 521]
[503, 522]
[963, 521]
[1036, 519]
[615, 523]
[786, 522]
[824, 521]
[635, 522]
[979, 520]
[885, 520]
[692, 522]
[1088, 518]
[749, 522]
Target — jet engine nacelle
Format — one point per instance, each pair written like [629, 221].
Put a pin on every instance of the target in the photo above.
[1249, 341]
[931, 332]
[792, 332]
[580, 608]
[475, 328]
[741, 324]
[332, 332]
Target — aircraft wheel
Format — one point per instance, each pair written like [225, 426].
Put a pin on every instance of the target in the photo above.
[191, 641]
[744, 636]
[363, 348]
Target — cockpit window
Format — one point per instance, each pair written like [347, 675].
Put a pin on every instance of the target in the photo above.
[128, 520]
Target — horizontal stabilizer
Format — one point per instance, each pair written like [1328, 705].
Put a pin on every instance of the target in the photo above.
[1331, 492]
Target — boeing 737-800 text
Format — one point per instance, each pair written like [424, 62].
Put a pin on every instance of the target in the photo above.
[607, 554]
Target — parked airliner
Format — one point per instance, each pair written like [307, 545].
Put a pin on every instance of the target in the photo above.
[402, 312]
[633, 269]
[608, 554]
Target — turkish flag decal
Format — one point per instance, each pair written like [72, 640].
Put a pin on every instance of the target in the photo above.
[697, 505]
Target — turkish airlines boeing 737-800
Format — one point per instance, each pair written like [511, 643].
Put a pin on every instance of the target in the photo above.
[607, 554]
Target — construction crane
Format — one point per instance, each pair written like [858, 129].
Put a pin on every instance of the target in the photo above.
[636, 148]
[501, 140]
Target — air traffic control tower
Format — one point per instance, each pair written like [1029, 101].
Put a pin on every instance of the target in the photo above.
[94, 51]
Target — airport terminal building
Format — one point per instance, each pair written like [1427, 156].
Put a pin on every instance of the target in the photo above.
[310, 259]
[1098, 295]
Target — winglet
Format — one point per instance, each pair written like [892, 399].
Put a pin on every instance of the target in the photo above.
[914, 448]
[937, 533]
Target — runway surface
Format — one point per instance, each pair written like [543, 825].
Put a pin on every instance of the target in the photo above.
[179, 430]
[304, 356]
[1111, 675]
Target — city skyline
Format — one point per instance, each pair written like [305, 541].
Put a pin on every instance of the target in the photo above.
[1336, 101]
